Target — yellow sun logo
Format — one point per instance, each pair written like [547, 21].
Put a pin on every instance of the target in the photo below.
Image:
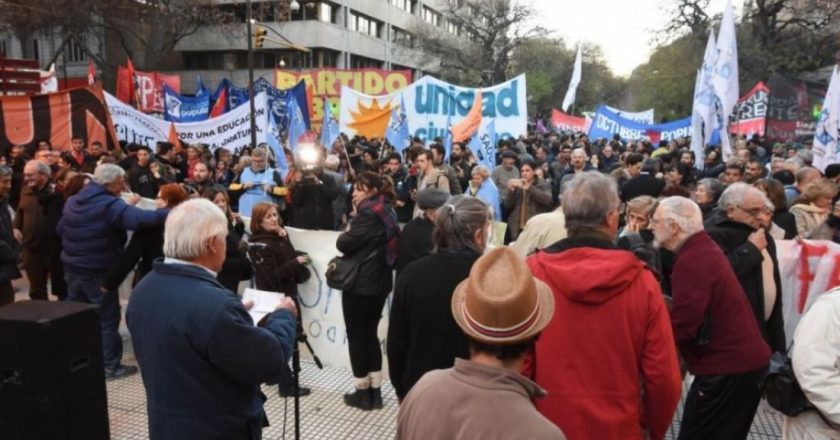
[370, 121]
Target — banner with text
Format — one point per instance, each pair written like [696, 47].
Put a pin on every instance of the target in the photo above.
[58, 117]
[149, 88]
[793, 108]
[751, 113]
[606, 123]
[431, 104]
[179, 108]
[231, 131]
[645, 117]
[329, 82]
[565, 122]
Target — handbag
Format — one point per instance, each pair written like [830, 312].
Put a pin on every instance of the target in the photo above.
[780, 387]
[342, 271]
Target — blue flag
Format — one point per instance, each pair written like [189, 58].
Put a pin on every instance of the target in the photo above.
[483, 145]
[397, 132]
[297, 125]
[329, 128]
[273, 140]
[447, 140]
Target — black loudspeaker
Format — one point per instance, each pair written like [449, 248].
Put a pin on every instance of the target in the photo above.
[52, 378]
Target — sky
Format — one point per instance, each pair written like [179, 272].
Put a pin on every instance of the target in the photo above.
[623, 28]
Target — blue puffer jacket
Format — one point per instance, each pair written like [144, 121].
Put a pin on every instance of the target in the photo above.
[92, 228]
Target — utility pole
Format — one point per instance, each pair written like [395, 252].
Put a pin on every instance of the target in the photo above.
[248, 20]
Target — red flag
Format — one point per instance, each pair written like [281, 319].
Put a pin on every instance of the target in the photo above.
[220, 105]
[655, 137]
[132, 81]
[173, 136]
[91, 72]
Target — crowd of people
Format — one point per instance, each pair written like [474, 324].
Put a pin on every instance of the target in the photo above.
[626, 265]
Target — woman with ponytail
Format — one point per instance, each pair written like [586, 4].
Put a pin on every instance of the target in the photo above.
[371, 239]
[422, 335]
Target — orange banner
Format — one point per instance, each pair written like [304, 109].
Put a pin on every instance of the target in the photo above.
[328, 82]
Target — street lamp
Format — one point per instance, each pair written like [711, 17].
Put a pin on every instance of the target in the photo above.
[294, 6]
[250, 21]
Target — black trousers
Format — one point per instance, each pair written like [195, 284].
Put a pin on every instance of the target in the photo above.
[361, 318]
[37, 267]
[721, 407]
[7, 293]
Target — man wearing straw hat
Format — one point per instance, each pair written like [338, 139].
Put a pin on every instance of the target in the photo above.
[502, 309]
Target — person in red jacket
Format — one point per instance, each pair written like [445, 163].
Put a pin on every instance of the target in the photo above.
[713, 325]
[607, 359]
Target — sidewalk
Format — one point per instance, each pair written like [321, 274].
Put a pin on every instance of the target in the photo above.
[323, 413]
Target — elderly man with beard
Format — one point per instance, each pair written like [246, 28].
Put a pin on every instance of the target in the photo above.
[712, 327]
[739, 229]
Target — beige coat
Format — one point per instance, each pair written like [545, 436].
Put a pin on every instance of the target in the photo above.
[816, 349]
[542, 230]
[808, 217]
[473, 401]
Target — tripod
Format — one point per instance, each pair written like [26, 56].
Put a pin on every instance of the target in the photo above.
[301, 338]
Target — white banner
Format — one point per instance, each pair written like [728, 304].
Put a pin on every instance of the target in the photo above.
[230, 131]
[431, 104]
[645, 117]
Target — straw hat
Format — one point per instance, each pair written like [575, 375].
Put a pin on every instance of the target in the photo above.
[501, 302]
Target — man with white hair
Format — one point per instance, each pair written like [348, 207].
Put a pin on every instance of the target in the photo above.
[607, 359]
[202, 357]
[739, 229]
[33, 228]
[92, 230]
[710, 317]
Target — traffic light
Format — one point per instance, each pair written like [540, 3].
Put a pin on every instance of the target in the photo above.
[259, 37]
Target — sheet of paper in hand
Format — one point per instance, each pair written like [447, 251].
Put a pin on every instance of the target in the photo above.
[264, 302]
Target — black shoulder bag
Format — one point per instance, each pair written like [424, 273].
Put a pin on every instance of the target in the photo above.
[342, 271]
[781, 389]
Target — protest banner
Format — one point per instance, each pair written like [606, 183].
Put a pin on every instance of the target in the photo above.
[179, 108]
[432, 104]
[231, 131]
[328, 82]
[149, 88]
[57, 117]
[606, 123]
[793, 108]
[807, 270]
[751, 113]
[565, 122]
[645, 117]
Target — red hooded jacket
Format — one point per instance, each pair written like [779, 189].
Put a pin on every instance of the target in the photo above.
[607, 359]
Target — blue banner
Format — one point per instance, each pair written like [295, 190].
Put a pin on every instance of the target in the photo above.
[606, 123]
[179, 108]
[277, 99]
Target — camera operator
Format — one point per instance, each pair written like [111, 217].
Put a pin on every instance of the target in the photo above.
[313, 190]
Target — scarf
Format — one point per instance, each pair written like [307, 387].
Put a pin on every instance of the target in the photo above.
[386, 213]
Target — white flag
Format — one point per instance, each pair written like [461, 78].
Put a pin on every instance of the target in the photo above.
[49, 82]
[725, 77]
[828, 128]
[570, 93]
[697, 139]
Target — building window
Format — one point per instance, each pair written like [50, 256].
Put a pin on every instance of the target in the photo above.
[452, 28]
[431, 16]
[405, 5]
[401, 37]
[204, 60]
[365, 25]
[359, 62]
[75, 51]
[325, 58]
[36, 49]
[327, 13]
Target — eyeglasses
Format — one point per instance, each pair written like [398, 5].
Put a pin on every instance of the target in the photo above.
[754, 212]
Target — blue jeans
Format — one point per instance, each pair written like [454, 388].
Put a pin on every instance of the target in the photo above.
[86, 288]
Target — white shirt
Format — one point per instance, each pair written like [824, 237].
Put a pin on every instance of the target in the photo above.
[168, 260]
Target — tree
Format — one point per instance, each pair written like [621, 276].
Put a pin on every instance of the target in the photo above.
[548, 63]
[685, 16]
[473, 40]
